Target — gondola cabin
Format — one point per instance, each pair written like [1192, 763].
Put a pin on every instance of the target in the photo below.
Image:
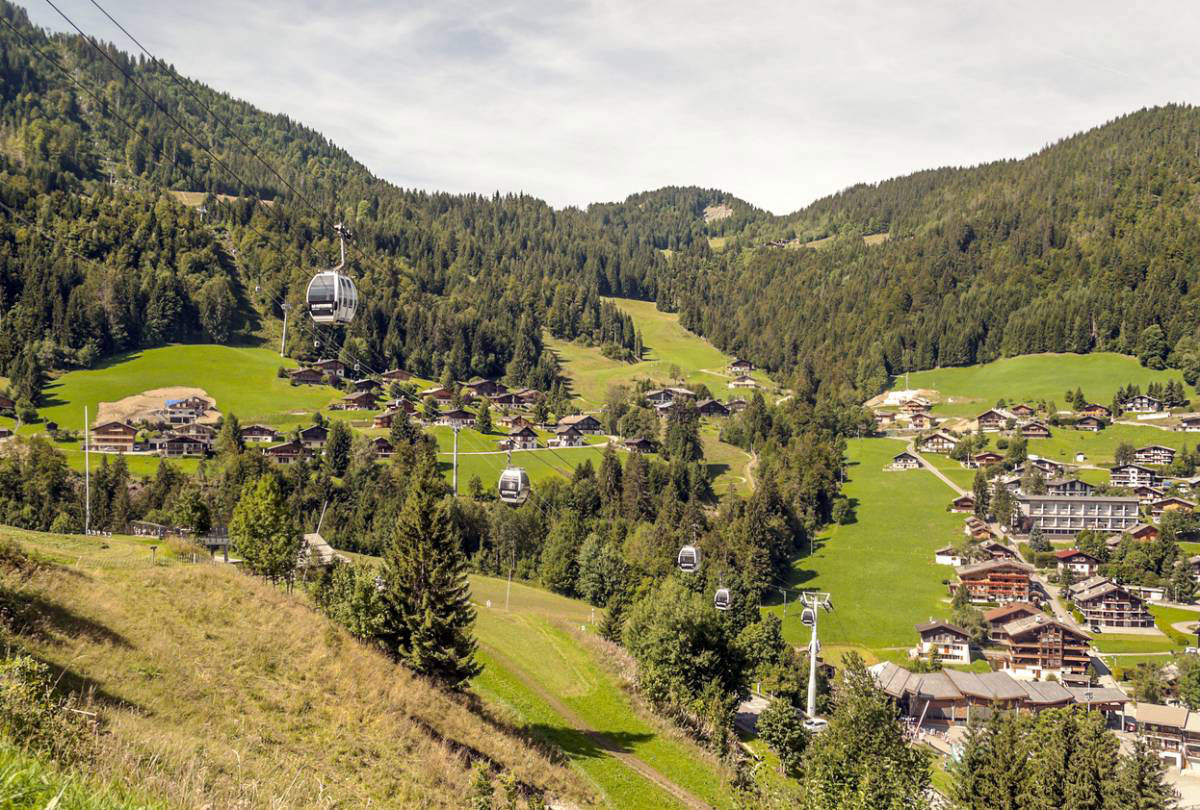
[332, 298]
[689, 559]
[514, 485]
[722, 599]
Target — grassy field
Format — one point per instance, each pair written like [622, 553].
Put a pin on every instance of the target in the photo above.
[879, 569]
[969, 390]
[30, 783]
[666, 344]
[1100, 447]
[539, 464]
[219, 690]
[951, 469]
[726, 463]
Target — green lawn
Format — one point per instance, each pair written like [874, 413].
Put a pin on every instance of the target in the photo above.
[968, 390]
[1099, 447]
[1123, 643]
[880, 569]
[666, 344]
[539, 464]
[726, 463]
[953, 470]
[538, 640]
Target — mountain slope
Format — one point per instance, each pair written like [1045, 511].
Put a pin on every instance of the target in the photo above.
[216, 689]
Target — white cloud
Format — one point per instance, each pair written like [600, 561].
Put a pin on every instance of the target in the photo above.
[576, 102]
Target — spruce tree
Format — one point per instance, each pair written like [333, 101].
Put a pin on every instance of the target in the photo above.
[229, 440]
[427, 615]
[1139, 782]
[337, 448]
[609, 479]
[263, 532]
[982, 491]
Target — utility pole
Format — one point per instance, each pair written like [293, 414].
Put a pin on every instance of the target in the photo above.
[814, 602]
[455, 429]
[283, 339]
[87, 475]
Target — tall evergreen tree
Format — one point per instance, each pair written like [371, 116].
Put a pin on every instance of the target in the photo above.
[263, 532]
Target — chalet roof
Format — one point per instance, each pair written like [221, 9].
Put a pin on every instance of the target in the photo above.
[1156, 714]
[743, 378]
[950, 550]
[1095, 406]
[259, 429]
[1003, 414]
[1062, 481]
[986, 685]
[891, 678]
[381, 441]
[1081, 498]
[457, 413]
[1132, 466]
[999, 613]
[708, 403]
[124, 426]
[1189, 417]
[987, 454]
[993, 565]
[314, 430]
[330, 362]
[1068, 553]
[1091, 420]
[933, 686]
[1096, 591]
[360, 395]
[1097, 694]
[938, 624]
[964, 498]
[1139, 527]
[563, 430]
[285, 447]
[1155, 447]
[941, 434]
[904, 454]
[576, 419]
[1090, 582]
[1046, 692]
[524, 430]
[1020, 626]
[1173, 499]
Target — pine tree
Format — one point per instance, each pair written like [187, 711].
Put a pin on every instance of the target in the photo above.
[262, 530]
[609, 478]
[402, 431]
[1139, 782]
[1183, 585]
[983, 492]
[337, 448]
[483, 419]
[229, 440]
[428, 616]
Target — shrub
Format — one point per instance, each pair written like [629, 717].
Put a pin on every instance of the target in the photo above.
[31, 713]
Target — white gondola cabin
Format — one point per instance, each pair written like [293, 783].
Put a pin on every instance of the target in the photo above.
[722, 599]
[332, 297]
[514, 485]
[689, 559]
[808, 617]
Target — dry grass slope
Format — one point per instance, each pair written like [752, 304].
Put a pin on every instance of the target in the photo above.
[221, 691]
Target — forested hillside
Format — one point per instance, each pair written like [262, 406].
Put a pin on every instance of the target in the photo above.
[1084, 246]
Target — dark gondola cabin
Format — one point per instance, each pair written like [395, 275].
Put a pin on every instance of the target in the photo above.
[514, 485]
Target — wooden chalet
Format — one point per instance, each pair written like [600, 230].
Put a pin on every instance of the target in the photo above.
[736, 405]
[1154, 454]
[7, 404]
[986, 457]
[740, 366]
[515, 421]
[1148, 494]
[524, 438]
[314, 437]
[1048, 468]
[639, 445]
[1172, 732]
[335, 367]
[583, 422]
[175, 445]
[921, 421]
[1142, 403]
[1096, 411]
[1035, 430]
[1037, 647]
[457, 418]
[401, 404]
[360, 401]
[396, 375]
[1079, 563]
[658, 396]
[949, 555]
[1169, 504]
[287, 452]
[998, 551]
[259, 433]
[1190, 423]
[976, 529]
[1132, 475]
[486, 388]
[442, 396]
[996, 581]
[381, 447]
[205, 433]
[1143, 532]
[1090, 423]
[385, 419]
[994, 420]
[963, 503]
[1022, 411]
[943, 641]
[185, 411]
[117, 437]
[367, 384]
[566, 436]
[883, 419]
[1069, 486]
[712, 408]
[1107, 605]
[529, 396]
[306, 376]
[743, 381]
[940, 442]
[915, 405]
[997, 618]
[904, 460]
[508, 400]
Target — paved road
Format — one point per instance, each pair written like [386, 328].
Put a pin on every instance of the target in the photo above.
[912, 448]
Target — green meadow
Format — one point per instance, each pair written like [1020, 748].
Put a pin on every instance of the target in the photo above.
[968, 390]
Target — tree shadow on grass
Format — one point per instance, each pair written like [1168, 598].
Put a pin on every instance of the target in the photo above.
[29, 615]
[579, 744]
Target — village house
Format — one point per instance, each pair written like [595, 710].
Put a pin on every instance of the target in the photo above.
[513, 422]
[1079, 563]
[994, 420]
[986, 457]
[1132, 475]
[1154, 454]
[185, 411]
[401, 404]
[998, 551]
[740, 366]
[486, 388]
[396, 375]
[1095, 411]
[1147, 494]
[385, 419]
[367, 384]
[914, 406]
[330, 367]
[904, 460]
[1142, 403]
[523, 439]
[306, 376]
[743, 381]
[884, 419]
[940, 442]
[314, 437]
[175, 445]
[1089, 423]
[976, 529]
[1022, 411]
[1170, 503]
[441, 396]
[942, 641]
[963, 503]
[584, 423]
[196, 430]
[566, 436]
[360, 401]
[381, 447]
[286, 453]
[1141, 532]
[508, 400]
[259, 433]
[457, 418]
[530, 396]
[1105, 605]
[1171, 731]
[921, 421]
[996, 581]
[949, 555]
[7, 404]
[1037, 647]
[1051, 469]
[999, 617]
[1070, 514]
[118, 437]
[712, 408]
[658, 396]
[736, 405]
[1069, 486]
[639, 445]
[1035, 430]
[1190, 423]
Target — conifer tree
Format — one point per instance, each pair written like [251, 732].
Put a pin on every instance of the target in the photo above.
[229, 440]
[1139, 783]
[427, 615]
[609, 478]
[982, 491]
[483, 419]
[263, 532]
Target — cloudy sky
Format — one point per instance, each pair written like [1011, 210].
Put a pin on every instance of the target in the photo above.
[576, 102]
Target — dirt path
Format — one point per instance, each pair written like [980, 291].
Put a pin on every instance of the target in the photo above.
[601, 739]
[750, 465]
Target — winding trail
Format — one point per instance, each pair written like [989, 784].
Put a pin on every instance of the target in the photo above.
[610, 746]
